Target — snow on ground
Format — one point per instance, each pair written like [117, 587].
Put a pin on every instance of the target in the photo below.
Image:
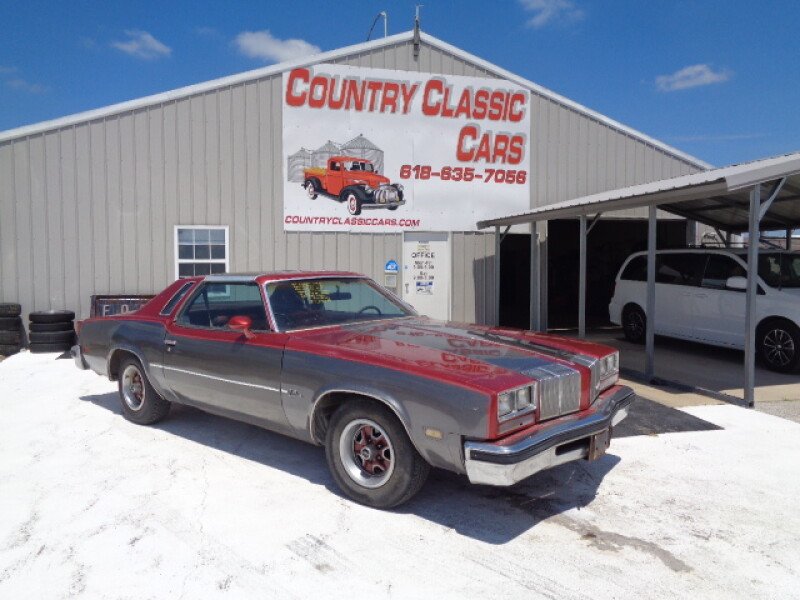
[204, 507]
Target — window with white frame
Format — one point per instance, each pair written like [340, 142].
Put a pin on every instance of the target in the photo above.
[200, 250]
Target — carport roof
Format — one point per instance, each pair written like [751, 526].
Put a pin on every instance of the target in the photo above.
[716, 197]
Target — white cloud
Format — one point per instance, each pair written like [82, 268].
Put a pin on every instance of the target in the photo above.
[548, 12]
[691, 76]
[141, 44]
[265, 46]
[22, 85]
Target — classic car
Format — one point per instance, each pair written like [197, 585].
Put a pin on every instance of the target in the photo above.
[334, 359]
[355, 182]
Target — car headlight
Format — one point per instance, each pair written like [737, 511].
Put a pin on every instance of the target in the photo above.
[368, 189]
[514, 403]
[608, 371]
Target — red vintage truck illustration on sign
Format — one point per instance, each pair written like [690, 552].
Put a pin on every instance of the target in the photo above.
[355, 182]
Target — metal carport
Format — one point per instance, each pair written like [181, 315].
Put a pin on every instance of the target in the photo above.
[752, 197]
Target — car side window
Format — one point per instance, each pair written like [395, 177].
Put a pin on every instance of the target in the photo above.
[680, 269]
[719, 269]
[335, 166]
[215, 303]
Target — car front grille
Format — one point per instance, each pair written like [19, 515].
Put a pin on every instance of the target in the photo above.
[559, 390]
[386, 193]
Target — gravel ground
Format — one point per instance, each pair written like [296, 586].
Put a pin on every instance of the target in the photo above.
[204, 507]
[788, 409]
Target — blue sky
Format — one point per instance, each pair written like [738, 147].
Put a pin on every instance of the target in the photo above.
[718, 79]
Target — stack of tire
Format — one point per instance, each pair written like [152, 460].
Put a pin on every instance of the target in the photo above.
[10, 329]
[51, 331]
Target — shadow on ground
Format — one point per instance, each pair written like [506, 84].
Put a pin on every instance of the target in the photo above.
[493, 515]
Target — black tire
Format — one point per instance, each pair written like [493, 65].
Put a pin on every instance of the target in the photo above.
[51, 316]
[353, 200]
[10, 309]
[10, 323]
[634, 324]
[10, 338]
[52, 337]
[313, 191]
[778, 345]
[409, 469]
[41, 347]
[393, 207]
[44, 327]
[8, 349]
[152, 408]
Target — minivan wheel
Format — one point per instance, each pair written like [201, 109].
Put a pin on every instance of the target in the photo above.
[370, 456]
[779, 345]
[634, 324]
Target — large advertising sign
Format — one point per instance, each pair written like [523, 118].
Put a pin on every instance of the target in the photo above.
[376, 150]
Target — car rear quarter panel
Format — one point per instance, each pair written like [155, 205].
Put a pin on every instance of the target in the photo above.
[101, 338]
[419, 402]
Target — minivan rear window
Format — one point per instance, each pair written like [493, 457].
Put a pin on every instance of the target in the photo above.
[671, 268]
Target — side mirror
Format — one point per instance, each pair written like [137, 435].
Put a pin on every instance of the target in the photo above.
[243, 324]
[736, 283]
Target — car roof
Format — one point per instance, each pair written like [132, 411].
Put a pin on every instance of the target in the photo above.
[267, 276]
[359, 159]
[736, 251]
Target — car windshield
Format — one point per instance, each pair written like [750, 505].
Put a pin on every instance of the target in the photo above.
[330, 301]
[361, 166]
[779, 269]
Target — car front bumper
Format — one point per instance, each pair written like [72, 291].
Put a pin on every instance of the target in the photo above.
[556, 442]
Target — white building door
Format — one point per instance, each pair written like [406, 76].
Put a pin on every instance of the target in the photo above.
[426, 273]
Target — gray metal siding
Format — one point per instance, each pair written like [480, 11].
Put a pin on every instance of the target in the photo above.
[91, 208]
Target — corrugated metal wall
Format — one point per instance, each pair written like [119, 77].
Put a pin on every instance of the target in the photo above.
[91, 208]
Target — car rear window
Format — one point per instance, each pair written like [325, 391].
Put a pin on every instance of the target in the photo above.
[175, 300]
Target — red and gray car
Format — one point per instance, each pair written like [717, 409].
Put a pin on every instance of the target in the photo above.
[334, 359]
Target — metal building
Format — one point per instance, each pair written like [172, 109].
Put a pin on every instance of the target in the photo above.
[105, 202]
[363, 148]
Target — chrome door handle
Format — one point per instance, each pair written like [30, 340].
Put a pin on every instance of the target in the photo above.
[170, 343]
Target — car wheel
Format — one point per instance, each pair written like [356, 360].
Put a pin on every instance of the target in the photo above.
[311, 190]
[140, 402]
[371, 457]
[634, 324]
[353, 204]
[779, 345]
[52, 316]
[393, 207]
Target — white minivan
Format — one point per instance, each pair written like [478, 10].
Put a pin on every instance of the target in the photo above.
[700, 296]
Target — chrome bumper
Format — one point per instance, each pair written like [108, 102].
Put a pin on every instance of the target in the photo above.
[77, 356]
[559, 441]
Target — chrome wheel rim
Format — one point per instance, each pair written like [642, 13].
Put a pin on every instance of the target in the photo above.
[367, 453]
[352, 204]
[635, 323]
[133, 388]
[779, 347]
[310, 190]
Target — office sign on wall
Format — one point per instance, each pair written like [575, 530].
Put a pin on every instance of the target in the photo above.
[378, 150]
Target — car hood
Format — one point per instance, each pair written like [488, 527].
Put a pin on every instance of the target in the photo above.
[372, 179]
[489, 359]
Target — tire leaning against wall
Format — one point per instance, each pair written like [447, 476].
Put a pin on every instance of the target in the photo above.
[52, 337]
[10, 323]
[45, 327]
[41, 348]
[10, 309]
[51, 316]
[8, 350]
[10, 338]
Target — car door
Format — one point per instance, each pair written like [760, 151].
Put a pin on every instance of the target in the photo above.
[334, 179]
[678, 277]
[721, 311]
[219, 369]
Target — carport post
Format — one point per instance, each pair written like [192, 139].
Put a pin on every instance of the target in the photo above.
[650, 311]
[750, 313]
[788, 239]
[497, 275]
[582, 281]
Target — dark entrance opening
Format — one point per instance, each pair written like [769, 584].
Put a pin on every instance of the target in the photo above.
[609, 243]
